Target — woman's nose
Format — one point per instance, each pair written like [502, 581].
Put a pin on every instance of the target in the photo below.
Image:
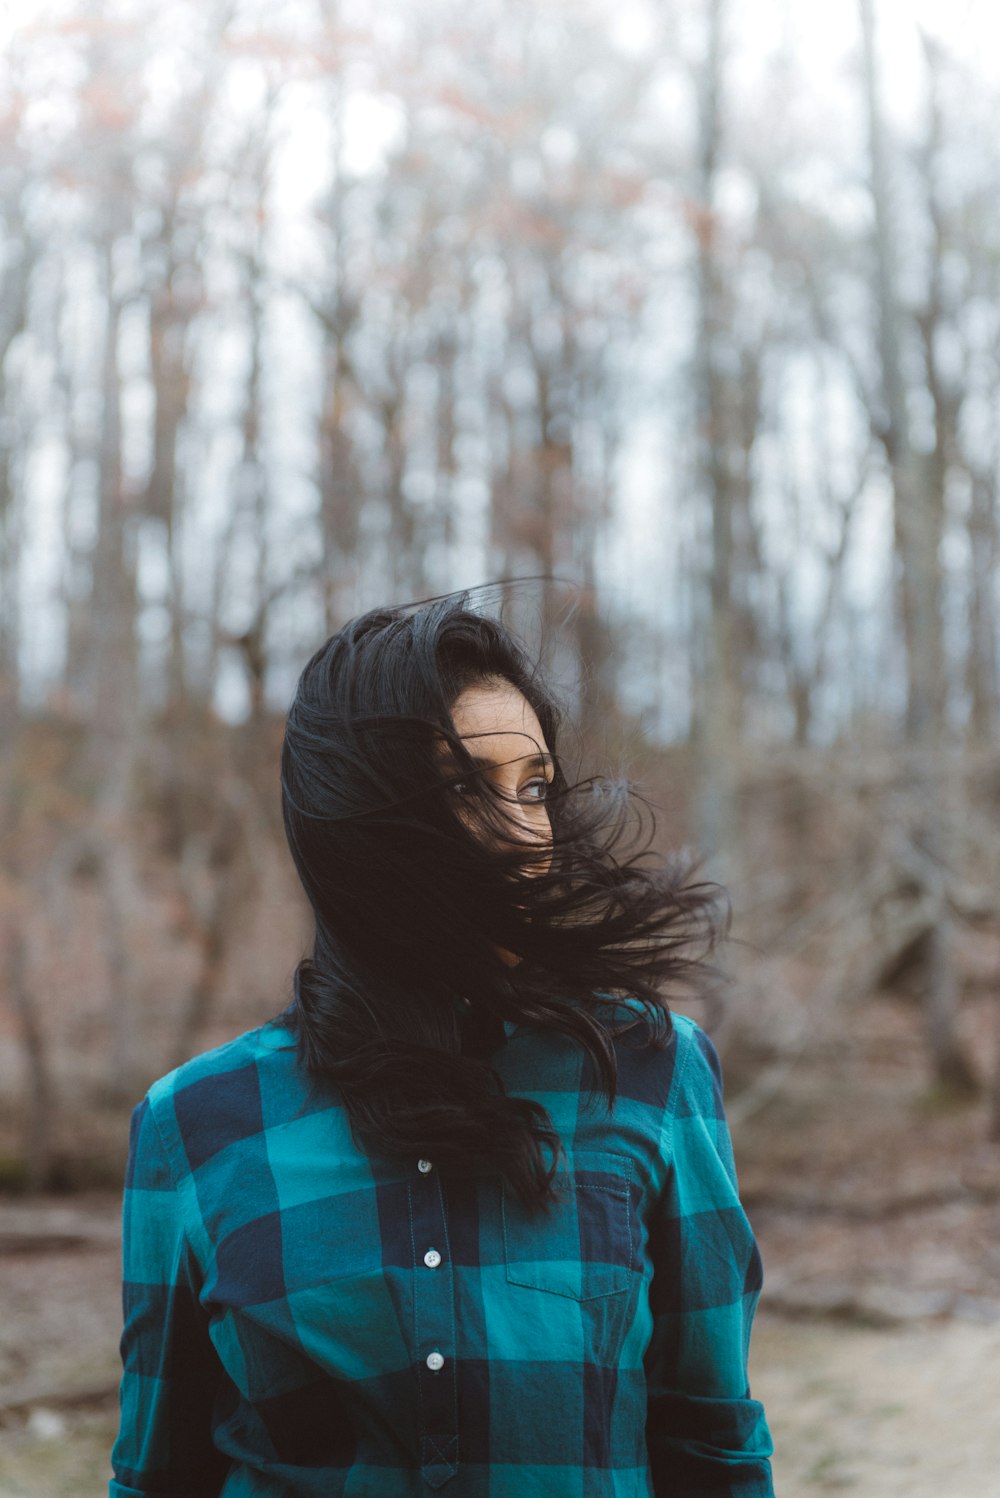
[530, 831]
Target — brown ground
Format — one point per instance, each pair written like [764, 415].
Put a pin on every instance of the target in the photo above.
[876, 1351]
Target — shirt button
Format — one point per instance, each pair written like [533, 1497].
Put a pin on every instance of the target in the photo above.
[424, 1166]
[435, 1362]
[432, 1258]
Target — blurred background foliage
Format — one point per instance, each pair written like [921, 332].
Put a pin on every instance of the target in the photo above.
[688, 310]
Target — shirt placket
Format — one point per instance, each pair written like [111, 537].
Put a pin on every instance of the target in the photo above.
[434, 1327]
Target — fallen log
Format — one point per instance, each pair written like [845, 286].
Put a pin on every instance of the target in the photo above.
[19, 1400]
[854, 1210]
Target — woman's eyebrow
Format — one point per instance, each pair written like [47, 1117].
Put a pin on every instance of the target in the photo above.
[536, 762]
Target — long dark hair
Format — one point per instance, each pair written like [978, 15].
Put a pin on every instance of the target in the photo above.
[411, 904]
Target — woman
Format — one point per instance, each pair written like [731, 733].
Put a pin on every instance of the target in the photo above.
[464, 1215]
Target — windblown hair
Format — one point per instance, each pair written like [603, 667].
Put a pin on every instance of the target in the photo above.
[416, 877]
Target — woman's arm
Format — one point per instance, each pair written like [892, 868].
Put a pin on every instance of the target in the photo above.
[704, 1434]
[171, 1370]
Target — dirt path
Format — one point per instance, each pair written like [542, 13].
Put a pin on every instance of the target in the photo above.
[901, 1413]
[907, 1412]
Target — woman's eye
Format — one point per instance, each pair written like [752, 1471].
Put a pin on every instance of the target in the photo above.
[542, 787]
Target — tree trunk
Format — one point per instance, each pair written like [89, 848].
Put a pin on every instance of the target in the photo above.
[981, 660]
[718, 720]
[918, 510]
[39, 1112]
[171, 385]
[113, 744]
[11, 512]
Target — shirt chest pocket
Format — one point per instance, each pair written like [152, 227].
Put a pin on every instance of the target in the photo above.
[584, 1246]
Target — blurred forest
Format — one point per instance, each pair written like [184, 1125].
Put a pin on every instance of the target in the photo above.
[692, 309]
[310, 309]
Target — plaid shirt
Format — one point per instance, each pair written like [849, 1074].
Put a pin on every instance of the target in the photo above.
[302, 1318]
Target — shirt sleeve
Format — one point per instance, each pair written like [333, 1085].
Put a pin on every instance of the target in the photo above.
[705, 1435]
[171, 1372]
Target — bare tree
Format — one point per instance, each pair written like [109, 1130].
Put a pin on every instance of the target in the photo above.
[719, 719]
[918, 506]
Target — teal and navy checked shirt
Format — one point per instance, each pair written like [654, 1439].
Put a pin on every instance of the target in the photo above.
[303, 1319]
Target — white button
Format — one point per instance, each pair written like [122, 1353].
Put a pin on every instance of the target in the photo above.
[432, 1258]
[424, 1166]
[435, 1362]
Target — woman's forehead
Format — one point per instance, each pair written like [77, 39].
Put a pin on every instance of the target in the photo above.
[497, 721]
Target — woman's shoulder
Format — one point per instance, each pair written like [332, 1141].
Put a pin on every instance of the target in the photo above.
[691, 1036]
[624, 1012]
[249, 1049]
[660, 1058]
[230, 1092]
[679, 1079]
